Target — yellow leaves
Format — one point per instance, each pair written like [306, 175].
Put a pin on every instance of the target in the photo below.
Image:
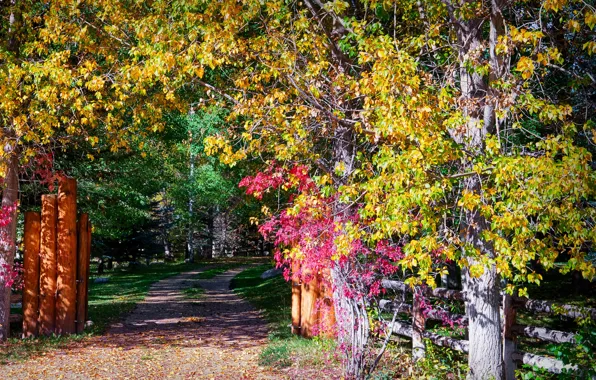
[590, 47]
[573, 26]
[534, 278]
[526, 66]
[266, 211]
[95, 84]
[551, 55]
[554, 5]
[343, 246]
[469, 201]
[476, 270]
[93, 140]
[590, 19]
[525, 36]
[492, 146]
[510, 289]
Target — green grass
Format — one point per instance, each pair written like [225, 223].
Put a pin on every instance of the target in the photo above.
[212, 272]
[273, 298]
[195, 292]
[108, 302]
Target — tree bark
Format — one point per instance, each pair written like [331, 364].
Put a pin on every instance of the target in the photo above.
[485, 358]
[191, 161]
[10, 192]
[351, 315]
[8, 236]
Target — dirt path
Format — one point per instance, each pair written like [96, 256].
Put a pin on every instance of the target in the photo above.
[167, 336]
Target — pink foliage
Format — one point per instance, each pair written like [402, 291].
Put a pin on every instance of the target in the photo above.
[439, 313]
[6, 213]
[12, 277]
[313, 232]
[43, 170]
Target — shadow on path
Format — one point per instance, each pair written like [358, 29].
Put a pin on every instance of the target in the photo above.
[218, 317]
[218, 336]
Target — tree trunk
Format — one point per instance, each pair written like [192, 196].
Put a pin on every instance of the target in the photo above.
[191, 159]
[167, 249]
[10, 193]
[8, 236]
[485, 358]
[353, 326]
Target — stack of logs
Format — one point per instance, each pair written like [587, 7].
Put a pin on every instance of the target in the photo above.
[56, 265]
[312, 305]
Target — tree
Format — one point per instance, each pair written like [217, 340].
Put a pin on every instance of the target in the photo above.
[69, 72]
[436, 132]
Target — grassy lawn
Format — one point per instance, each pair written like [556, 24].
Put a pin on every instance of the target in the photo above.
[273, 298]
[217, 270]
[195, 292]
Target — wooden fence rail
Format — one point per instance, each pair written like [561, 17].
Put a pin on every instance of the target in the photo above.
[511, 330]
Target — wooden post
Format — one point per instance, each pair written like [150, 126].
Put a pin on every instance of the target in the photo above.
[296, 298]
[508, 315]
[67, 256]
[418, 327]
[47, 276]
[31, 273]
[82, 274]
[327, 311]
[308, 307]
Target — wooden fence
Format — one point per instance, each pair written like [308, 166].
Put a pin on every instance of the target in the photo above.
[55, 266]
[312, 306]
[511, 330]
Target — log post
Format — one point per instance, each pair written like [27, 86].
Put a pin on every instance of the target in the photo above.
[418, 327]
[31, 273]
[67, 256]
[327, 311]
[82, 274]
[296, 298]
[508, 314]
[308, 307]
[47, 275]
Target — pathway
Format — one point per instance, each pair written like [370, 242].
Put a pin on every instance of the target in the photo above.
[167, 336]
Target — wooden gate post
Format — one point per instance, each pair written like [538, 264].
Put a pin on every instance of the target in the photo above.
[47, 276]
[67, 256]
[327, 311]
[418, 326]
[82, 273]
[296, 298]
[308, 307]
[31, 273]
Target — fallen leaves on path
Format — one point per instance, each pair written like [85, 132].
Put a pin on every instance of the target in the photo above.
[166, 337]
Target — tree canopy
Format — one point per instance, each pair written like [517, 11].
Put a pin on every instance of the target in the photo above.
[387, 138]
